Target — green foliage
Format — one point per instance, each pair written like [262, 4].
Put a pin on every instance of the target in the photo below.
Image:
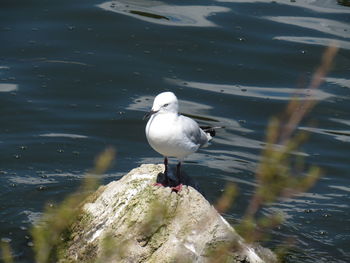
[51, 232]
[112, 248]
[227, 198]
[281, 171]
[222, 252]
[156, 218]
[6, 252]
[115, 248]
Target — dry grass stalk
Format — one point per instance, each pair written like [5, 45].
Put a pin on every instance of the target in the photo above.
[53, 228]
[6, 254]
[276, 172]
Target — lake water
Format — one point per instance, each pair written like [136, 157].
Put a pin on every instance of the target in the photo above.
[77, 76]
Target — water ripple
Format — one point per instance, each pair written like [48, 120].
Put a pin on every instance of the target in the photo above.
[340, 135]
[197, 110]
[340, 187]
[281, 93]
[315, 41]
[8, 87]
[160, 13]
[323, 25]
[67, 135]
[323, 6]
[342, 82]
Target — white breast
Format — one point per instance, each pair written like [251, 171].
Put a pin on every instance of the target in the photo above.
[166, 136]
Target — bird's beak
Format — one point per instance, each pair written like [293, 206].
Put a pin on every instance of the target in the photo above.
[149, 114]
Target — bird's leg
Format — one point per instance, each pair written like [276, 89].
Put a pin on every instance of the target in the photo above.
[178, 172]
[166, 165]
[165, 180]
[166, 171]
[178, 175]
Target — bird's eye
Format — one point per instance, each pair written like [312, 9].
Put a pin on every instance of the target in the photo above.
[166, 105]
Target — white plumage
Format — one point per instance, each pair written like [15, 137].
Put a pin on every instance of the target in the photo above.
[172, 134]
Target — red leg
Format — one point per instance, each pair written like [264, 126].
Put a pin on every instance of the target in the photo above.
[177, 188]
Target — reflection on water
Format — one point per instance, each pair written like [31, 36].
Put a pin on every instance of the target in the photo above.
[160, 13]
[31, 180]
[32, 217]
[8, 87]
[341, 187]
[323, 25]
[281, 93]
[193, 109]
[66, 62]
[144, 103]
[225, 161]
[342, 82]
[346, 122]
[239, 141]
[315, 41]
[324, 6]
[73, 136]
[340, 135]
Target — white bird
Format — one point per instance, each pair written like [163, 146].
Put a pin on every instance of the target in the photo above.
[172, 134]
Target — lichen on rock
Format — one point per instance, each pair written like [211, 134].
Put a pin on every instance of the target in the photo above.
[131, 220]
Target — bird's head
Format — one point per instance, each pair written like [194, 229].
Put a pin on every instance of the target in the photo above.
[164, 102]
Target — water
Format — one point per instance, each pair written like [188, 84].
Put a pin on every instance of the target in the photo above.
[77, 76]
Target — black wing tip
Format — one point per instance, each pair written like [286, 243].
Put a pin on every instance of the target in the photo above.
[211, 130]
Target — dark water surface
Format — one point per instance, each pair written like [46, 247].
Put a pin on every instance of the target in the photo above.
[77, 76]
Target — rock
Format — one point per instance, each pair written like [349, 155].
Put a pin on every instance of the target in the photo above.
[131, 220]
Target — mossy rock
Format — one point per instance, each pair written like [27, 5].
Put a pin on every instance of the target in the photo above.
[131, 220]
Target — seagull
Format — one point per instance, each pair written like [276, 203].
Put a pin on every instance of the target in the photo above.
[172, 134]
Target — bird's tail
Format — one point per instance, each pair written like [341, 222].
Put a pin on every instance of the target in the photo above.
[210, 131]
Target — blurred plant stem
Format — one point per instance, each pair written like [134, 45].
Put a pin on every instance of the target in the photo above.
[227, 198]
[298, 109]
[50, 232]
[6, 254]
[280, 172]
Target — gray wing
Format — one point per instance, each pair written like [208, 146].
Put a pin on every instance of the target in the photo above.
[193, 132]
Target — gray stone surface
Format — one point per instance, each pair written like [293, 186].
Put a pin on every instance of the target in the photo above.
[131, 220]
